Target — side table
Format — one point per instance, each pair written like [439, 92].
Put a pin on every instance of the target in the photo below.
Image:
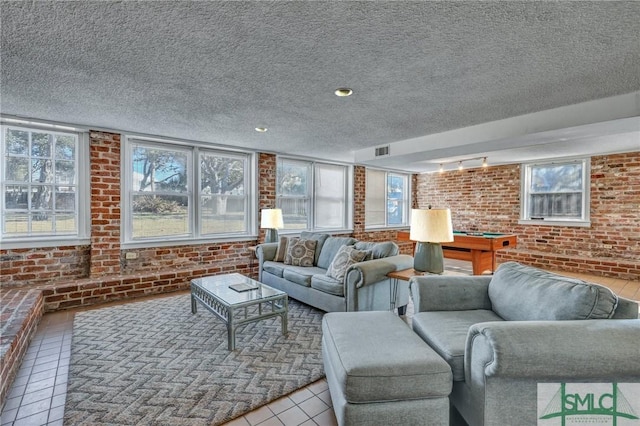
[405, 275]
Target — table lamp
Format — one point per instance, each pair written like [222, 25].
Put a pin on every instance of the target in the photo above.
[430, 228]
[271, 221]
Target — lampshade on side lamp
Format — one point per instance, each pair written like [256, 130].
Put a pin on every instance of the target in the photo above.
[271, 220]
[430, 228]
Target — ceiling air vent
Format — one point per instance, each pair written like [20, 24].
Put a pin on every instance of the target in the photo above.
[382, 150]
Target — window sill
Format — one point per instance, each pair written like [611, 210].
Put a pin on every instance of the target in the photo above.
[568, 223]
[42, 242]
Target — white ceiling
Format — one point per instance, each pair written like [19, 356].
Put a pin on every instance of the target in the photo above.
[436, 81]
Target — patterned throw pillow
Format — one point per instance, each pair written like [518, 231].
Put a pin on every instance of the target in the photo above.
[281, 252]
[300, 252]
[345, 257]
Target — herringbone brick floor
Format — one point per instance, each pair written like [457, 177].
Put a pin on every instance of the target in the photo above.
[38, 393]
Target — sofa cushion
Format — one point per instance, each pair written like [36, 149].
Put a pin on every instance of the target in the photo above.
[320, 238]
[281, 251]
[275, 268]
[378, 250]
[346, 256]
[524, 293]
[446, 332]
[331, 247]
[327, 284]
[301, 274]
[300, 252]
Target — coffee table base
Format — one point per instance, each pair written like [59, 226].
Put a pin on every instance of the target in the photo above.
[239, 314]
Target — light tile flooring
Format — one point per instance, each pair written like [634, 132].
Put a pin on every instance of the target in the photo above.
[38, 393]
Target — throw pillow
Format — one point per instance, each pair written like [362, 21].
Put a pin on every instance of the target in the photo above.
[300, 252]
[345, 257]
[281, 252]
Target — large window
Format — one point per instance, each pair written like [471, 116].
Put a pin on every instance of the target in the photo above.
[387, 196]
[40, 184]
[165, 203]
[556, 191]
[312, 195]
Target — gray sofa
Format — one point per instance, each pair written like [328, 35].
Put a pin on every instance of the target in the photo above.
[365, 286]
[505, 334]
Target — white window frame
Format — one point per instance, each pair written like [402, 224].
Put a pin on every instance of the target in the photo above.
[311, 194]
[406, 201]
[82, 202]
[195, 234]
[525, 185]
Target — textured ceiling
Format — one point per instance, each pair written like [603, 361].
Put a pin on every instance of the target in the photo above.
[213, 71]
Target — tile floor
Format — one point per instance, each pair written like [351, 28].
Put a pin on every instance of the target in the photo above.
[38, 393]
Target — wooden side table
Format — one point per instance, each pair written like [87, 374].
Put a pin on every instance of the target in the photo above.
[405, 275]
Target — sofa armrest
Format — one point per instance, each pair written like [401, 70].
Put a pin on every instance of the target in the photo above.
[372, 271]
[450, 293]
[264, 252]
[554, 350]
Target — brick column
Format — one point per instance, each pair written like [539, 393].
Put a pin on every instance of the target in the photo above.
[104, 158]
[359, 196]
[266, 185]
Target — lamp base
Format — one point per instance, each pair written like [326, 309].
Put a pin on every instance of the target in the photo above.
[428, 258]
[271, 235]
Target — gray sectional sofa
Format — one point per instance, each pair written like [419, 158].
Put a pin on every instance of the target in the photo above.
[365, 286]
[501, 337]
[504, 334]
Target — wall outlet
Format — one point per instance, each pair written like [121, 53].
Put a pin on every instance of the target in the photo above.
[131, 255]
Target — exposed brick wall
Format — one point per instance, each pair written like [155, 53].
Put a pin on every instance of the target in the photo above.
[489, 200]
[35, 266]
[267, 185]
[104, 157]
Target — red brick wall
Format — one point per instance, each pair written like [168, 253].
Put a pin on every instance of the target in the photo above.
[489, 200]
[104, 157]
[266, 185]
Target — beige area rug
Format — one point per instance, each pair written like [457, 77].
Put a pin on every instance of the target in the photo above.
[155, 363]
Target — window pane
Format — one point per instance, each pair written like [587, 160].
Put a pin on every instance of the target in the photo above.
[16, 197]
[396, 187]
[555, 191]
[65, 172]
[223, 214]
[375, 198]
[156, 215]
[556, 178]
[42, 222]
[65, 147]
[41, 171]
[17, 142]
[41, 144]
[330, 187]
[41, 197]
[17, 169]
[30, 160]
[16, 223]
[65, 198]
[65, 223]
[221, 175]
[156, 169]
[293, 193]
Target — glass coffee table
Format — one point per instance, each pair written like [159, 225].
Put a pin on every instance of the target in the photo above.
[254, 302]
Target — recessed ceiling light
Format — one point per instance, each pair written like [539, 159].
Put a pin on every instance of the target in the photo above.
[261, 129]
[343, 91]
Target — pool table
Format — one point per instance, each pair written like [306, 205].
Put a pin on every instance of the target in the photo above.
[479, 248]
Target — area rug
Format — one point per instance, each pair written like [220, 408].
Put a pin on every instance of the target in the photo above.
[155, 363]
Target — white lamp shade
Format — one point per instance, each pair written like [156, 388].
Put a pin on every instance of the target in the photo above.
[431, 226]
[271, 219]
